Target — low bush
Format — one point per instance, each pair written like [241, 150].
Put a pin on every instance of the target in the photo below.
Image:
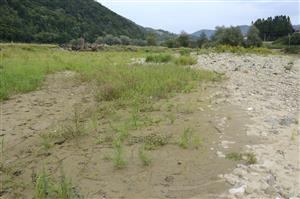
[159, 58]
[186, 60]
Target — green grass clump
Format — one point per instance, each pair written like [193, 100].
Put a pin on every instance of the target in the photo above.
[118, 159]
[146, 160]
[234, 156]
[159, 58]
[186, 60]
[46, 141]
[185, 51]
[189, 139]
[249, 158]
[42, 186]
[46, 188]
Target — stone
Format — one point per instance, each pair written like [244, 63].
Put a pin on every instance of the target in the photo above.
[238, 190]
[270, 190]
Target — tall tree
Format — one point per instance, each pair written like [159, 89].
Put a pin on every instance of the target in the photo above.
[230, 36]
[202, 40]
[253, 38]
[183, 39]
[272, 28]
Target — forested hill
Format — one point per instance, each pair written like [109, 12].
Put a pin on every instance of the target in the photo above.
[59, 21]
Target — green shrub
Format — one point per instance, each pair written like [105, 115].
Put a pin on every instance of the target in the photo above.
[185, 60]
[159, 58]
[185, 51]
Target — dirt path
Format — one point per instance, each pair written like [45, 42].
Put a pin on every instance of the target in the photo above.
[267, 87]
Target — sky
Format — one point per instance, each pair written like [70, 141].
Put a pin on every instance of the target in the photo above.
[193, 15]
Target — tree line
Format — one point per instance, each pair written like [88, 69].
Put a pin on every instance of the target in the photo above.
[271, 29]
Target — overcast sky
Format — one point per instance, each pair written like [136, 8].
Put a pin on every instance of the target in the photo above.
[193, 15]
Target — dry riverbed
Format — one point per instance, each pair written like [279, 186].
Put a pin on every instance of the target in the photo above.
[267, 87]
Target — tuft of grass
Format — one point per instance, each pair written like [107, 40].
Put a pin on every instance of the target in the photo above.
[118, 159]
[185, 51]
[234, 156]
[46, 141]
[171, 117]
[76, 128]
[189, 139]
[146, 160]
[65, 189]
[159, 58]
[186, 60]
[2, 158]
[249, 158]
[46, 188]
[42, 185]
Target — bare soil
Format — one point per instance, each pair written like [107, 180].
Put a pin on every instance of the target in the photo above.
[174, 172]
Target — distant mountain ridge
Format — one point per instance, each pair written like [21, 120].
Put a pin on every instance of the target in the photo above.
[58, 21]
[161, 35]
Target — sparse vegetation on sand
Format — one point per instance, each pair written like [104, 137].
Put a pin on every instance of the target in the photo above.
[46, 187]
[189, 139]
[249, 158]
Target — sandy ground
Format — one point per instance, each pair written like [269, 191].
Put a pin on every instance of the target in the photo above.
[267, 87]
[173, 173]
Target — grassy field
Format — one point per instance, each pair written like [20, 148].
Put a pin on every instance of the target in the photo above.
[23, 68]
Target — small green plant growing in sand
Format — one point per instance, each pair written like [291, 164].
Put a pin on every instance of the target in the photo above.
[75, 128]
[134, 120]
[46, 188]
[186, 109]
[153, 141]
[146, 160]
[250, 158]
[46, 141]
[65, 189]
[121, 132]
[42, 185]
[234, 156]
[171, 117]
[118, 159]
[2, 159]
[293, 136]
[188, 138]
